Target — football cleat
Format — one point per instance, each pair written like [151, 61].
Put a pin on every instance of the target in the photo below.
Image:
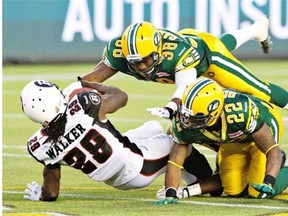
[266, 45]
[261, 27]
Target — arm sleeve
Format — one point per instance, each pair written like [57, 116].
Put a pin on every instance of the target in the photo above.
[182, 79]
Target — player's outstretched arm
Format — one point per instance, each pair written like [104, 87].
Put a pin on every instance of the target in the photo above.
[100, 73]
[173, 174]
[50, 188]
[266, 143]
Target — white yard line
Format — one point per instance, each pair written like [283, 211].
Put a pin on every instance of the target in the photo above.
[15, 155]
[181, 201]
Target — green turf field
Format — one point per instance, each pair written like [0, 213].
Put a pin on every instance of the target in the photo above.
[80, 195]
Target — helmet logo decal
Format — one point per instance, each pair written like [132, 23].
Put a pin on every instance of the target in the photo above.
[95, 99]
[43, 83]
[156, 39]
[213, 106]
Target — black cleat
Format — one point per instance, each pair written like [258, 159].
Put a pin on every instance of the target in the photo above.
[266, 45]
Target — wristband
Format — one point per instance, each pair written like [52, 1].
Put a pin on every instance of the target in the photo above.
[172, 106]
[171, 192]
[269, 180]
[194, 190]
[170, 112]
[176, 164]
[271, 147]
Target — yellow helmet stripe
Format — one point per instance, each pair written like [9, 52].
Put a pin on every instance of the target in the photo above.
[132, 49]
[194, 91]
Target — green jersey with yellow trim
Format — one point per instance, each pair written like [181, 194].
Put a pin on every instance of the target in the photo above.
[179, 51]
[242, 116]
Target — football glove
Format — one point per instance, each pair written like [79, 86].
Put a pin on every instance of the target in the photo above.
[33, 192]
[166, 201]
[264, 188]
[181, 193]
[163, 112]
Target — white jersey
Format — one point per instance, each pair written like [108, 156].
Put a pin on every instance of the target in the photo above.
[103, 155]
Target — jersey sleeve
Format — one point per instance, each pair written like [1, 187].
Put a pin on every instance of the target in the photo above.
[197, 56]
[176, 132]
[37, 147]
[112, 55]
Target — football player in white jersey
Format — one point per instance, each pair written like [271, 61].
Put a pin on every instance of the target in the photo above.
[76, 132]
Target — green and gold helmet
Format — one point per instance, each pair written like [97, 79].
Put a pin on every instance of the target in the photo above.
[201, 104]
[139, 41]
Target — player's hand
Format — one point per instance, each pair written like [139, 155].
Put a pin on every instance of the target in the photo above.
[264, 188]
[70, 88]
[33, 191]
[166, 201]
[162, 112]
[181, 193]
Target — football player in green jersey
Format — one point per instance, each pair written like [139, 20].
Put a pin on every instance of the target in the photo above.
[247, 131]
[159, 55]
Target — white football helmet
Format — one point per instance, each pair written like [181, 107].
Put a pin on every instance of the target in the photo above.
[42, 101]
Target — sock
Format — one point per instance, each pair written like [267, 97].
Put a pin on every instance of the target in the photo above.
[281, 182]
[235, 39]
[279, 96]
[229, 41]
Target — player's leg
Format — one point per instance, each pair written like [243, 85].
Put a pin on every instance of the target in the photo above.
[281, 182]
[257, 31]
[258, 159]
[226, 69]
[197, 164]
[155, 150]
[148, 129]
[280, 185]
[233, 160]
[256, 170]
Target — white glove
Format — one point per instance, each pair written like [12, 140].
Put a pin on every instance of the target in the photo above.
[70, 88]
[162, 112]
[33, 192]
[181, 194]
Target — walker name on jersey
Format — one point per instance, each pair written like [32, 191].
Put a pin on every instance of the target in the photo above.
[56, 149]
